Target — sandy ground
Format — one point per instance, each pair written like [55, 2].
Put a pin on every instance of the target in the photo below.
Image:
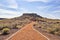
[27, 33]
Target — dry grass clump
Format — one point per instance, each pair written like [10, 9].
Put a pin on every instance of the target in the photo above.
[5, 31]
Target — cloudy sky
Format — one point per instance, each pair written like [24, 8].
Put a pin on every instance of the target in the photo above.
[45, 8]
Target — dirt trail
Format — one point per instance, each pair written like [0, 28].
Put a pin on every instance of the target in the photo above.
[27, 33]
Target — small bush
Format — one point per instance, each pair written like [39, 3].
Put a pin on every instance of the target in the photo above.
[5, 31]
[57, 33]
[19, 26]
[15, 27]
[1, 28]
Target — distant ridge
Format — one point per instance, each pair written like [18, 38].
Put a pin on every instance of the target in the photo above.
[2, 18]
[32, 14]
[28, 16]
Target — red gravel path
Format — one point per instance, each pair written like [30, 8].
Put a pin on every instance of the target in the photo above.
[28, 33]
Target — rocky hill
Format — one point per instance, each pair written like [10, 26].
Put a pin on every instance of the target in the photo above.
[28, 16]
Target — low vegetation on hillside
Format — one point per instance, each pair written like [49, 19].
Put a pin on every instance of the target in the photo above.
[10, 26]
[49, 25]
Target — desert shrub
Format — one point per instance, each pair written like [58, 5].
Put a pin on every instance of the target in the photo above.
[1, 28]
[34, 24]
[48, 29]
[57, 33]
[19, 26]
[5, 31]
[15, 26]
[5, 27]
[52, 30]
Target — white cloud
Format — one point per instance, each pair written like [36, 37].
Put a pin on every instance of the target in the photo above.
[25, 10]
[10, 13]
[6, 16]
[7, 11]
[12, 4]
[56, 11]
[51, 16]
[36, 0]
[1, 4]
[45, 13]
[42, 8]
